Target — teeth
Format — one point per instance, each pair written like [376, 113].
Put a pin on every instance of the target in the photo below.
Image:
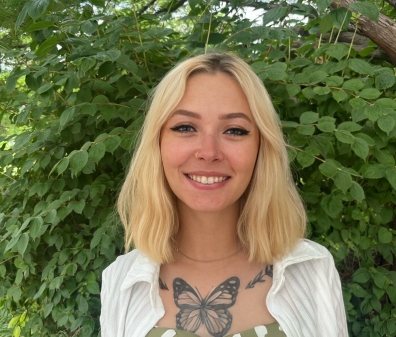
[207, 180]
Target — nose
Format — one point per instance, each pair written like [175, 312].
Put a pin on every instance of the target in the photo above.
[209, 149]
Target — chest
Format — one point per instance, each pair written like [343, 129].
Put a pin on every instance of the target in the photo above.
[216, 306]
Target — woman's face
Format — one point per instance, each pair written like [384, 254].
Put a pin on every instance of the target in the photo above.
[209, 145]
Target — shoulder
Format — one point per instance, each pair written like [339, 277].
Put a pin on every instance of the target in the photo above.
[123, 262]
[118, 270]
[307, 252]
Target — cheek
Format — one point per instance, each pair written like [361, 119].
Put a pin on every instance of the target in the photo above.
[172, 155]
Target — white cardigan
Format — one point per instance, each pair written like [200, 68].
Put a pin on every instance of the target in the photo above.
[305, 297]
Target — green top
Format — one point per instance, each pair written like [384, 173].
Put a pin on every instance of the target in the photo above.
[269, 330]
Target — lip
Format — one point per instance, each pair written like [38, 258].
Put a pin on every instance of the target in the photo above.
[207, 174]
[207, 187]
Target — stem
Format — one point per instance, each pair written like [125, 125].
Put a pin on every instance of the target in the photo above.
[207, 38]
[320, 40]
[353, 38]
[140, 37]
[342, 25]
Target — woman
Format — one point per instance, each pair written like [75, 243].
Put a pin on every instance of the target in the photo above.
[210, 205]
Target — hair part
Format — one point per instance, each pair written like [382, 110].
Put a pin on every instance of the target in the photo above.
[272, 216]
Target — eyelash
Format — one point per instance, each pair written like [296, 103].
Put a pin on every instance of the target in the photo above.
[232, 131]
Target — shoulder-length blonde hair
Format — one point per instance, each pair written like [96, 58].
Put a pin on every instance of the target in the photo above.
[272, 217]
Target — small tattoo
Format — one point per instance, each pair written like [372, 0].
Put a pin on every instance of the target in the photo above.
[212, 311]
[260, 276]
[162, 284]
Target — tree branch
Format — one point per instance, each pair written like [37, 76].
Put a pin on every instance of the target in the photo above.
[173, 8]
[147, 6]
[392, 3]
[383, 32]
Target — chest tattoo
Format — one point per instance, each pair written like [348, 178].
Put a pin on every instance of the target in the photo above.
[162, 284]
[260, 276]
[211, 311]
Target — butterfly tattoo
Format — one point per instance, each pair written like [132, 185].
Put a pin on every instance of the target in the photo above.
[212, 311]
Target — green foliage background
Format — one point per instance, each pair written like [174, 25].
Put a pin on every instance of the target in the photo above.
[76, 95]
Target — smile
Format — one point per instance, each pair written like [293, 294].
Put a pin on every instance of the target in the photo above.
[207, 180]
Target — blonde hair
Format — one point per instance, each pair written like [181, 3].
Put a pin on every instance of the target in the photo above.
[272, 217]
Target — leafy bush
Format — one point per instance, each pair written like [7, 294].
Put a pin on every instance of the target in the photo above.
[86, 74]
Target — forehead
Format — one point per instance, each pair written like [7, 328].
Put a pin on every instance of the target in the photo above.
[217, 92]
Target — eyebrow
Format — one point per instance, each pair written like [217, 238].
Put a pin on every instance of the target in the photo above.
[231, 115]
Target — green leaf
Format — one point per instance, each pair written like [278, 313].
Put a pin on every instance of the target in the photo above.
[332, 205]
[78, 161]
[385, 103]
[111, 55]
[373, 112]
[37, 8]
[361, 275]
[384, 80]
[349, 126]
[366, 8]
[328, 170]
[89, 109]
[353, 85]
[343, 180]
[89, 27]
[379, 279]
[391, 291]
[326, 126]
[78, 206]
[21, 17]
[334, 81]
[357, 191]
[337, 51]
[373, 171]
[293, 89]
[39, 25]
[326, 24]
[97, 151]
[276, 71]
[316, 77]
[48, 308]
[391, 176]
[323, 4]
[87, 63]
[384, 235]
[66, 117]
[386, 123]
[82, 304]
[345, 137]
[370, 93]
[47, 45]
[23, 243]
[361, 67]
[339, 95]
[274, 14]
[13, 78]
[305, 159]
[193, 3]
[321, 90]
[306, 130]
[44, 88]
[62, 165]
[361, 148]
[341, 17]
[357, 103]
[93, 287]
[112, 143]
[125, 62]
[35, 227]
[309, 117]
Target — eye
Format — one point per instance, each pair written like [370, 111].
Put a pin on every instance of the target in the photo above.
[183, 128]
[237, 132]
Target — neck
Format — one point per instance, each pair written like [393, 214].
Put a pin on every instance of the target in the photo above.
[208, 235]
